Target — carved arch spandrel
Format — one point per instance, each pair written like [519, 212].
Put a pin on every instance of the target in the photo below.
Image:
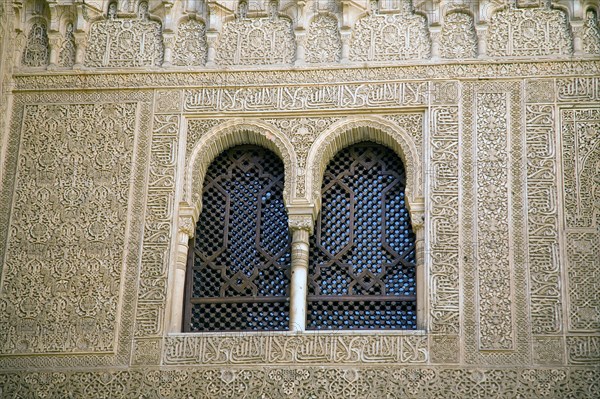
[366, 128]
[229, 134]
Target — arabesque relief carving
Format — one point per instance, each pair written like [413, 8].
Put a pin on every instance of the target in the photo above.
[64, 257]
[529, 32]
[125, 42]
[390, 37]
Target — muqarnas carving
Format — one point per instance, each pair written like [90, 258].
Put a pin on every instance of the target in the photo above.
[530, 32]
[128, 42]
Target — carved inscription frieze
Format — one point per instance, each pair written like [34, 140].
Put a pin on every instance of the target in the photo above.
[64, 259]
[529, 32]
[543, 221]
[306, 98]
[283, 349]
[444, 287]
[152, 294]
[578, 89]
[585, 69]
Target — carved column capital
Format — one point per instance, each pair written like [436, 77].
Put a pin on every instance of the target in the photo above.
[186, 224]
[303, 223]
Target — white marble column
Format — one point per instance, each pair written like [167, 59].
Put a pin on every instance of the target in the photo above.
[185, 231]
[418, 225]
[301, 228]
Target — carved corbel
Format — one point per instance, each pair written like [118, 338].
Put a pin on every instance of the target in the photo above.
[80, 45]
[301, 14]
[300, 46]
[168, 43]
[168, 18]
[54, 41]
[54, 16]
[19, 16]
[211, 41]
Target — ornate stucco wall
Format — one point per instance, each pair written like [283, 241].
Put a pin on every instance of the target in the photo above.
[493, 108]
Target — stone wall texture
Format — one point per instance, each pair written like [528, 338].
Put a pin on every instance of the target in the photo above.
[110, 113]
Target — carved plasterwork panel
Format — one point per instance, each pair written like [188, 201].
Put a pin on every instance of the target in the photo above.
[64, 283]
[458, 38]
[583, 251]
[190, 44]
[66, 56]
[68, 228]
[302, 132]
[591, 34]
[309, 382]
[548, 350]
[324, 43]
[158, 217]
[493, 251]
[68, 271]
[124, 43]
[390, 37]
[442, 172]
[529, 32]
[581, 151]
[260, 41]
[543, 221]
[496, 318]
[304, 349]
[37, 52]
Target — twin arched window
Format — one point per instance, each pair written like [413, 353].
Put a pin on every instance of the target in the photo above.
[362, 253]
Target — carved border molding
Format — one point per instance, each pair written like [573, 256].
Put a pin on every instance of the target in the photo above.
[137, 79]
[334, 349]
[308, 382]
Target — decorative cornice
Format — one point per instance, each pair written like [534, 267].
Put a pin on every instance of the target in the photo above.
[141, 78]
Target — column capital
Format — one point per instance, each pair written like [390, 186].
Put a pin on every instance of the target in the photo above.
[301, 222]
[186, 223]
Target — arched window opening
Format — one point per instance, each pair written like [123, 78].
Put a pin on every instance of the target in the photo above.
[362, 254]
[239, 261]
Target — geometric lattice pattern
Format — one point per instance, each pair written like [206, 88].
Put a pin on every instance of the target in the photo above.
[238, 265]
[362, 259]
